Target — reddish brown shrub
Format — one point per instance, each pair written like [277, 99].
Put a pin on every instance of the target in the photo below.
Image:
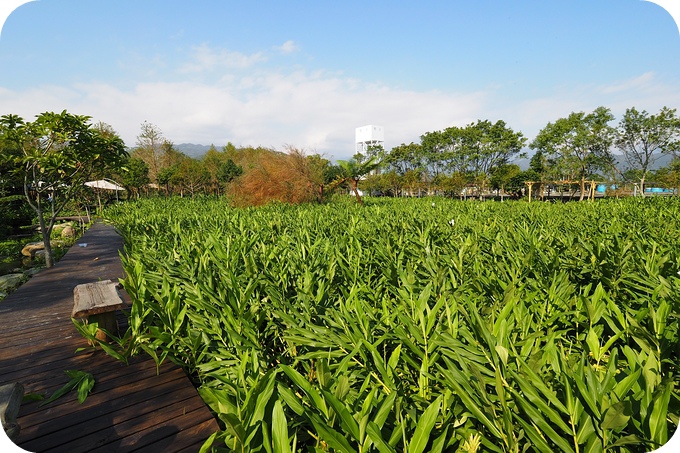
[274, 176]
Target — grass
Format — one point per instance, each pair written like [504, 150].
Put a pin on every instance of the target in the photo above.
[516, 327]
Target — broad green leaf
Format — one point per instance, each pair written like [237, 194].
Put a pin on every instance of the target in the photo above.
[617, 415]
[593, 343]
[333, 438]
[658, 426]
[374, 433]
[279, 430]
[347, 421]
[426, 422]
[80, 380]
[304, 385]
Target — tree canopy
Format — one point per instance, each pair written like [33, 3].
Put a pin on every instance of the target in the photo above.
[580, 143]
[54, 156]
[644, 138]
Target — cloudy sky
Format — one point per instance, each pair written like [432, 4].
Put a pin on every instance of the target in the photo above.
[307, 73]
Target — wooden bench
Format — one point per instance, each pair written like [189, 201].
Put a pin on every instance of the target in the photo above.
[98, 302]
[11, 396]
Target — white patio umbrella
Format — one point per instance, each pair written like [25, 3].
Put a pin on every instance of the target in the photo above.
[104, 184]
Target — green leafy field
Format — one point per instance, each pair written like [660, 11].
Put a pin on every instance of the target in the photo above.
[415, 326]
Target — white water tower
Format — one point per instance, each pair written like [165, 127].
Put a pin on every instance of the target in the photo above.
[367, 136]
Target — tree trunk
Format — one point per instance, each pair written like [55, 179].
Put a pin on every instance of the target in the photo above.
[582, 188]
[355, 188]
[642, 187]
[46, 232]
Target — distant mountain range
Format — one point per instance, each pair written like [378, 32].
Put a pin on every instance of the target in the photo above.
[193, 150]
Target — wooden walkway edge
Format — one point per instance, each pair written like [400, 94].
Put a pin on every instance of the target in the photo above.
[131, 408]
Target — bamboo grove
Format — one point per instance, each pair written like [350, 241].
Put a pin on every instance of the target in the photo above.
[414, 325]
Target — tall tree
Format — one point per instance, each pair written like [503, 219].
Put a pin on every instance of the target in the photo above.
[643, 138]
[190, 175]
[151, 148]
[404, 157]
[442, 151]
[228, 171]
[489, 145]
[580, 143]
[59, 152]
[212, 160]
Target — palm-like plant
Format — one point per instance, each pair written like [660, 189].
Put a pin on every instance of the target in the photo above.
[353, 171]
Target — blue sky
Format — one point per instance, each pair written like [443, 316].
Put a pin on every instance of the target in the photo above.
[307, 73]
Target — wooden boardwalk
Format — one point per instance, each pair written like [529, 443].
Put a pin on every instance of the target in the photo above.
[131, 407]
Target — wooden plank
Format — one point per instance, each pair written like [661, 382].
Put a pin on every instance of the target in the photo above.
[113, 428]
[44, 378]
[104, 425]
[140, 386]
[95, 298]
[121, 375]
[162, 436]
[135, 406]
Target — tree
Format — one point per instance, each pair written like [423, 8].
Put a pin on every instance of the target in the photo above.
[170, 177]
[135, 176]
[404, 157]
[228, 171]
[353, 171]
[502, 175]
[58, 153]
[450, 185]
[391, 182]
[670, 176]
[151, 148]
[476, 148]
[212, 160]
[643, 138]
[487, 146]
[413, 181]
[580, 143]
[442, 151]
[14, 211]
[190, 175]
[320, 172]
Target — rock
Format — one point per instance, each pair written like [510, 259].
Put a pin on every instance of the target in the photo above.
[32, 247]
[68, 232]
[32, 271]
[11, 281]
[40, 255]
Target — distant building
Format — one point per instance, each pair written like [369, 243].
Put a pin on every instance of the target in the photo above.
[367, 136]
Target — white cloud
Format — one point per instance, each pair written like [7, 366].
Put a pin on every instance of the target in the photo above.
[313, 111]
[205, 58]
[288, 47]
[638, 82]
[318, 110]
